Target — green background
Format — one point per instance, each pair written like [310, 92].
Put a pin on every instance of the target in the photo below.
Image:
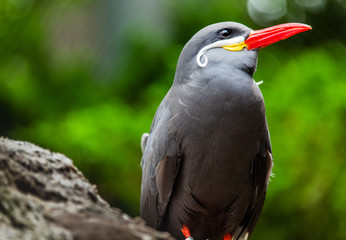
[85, 77]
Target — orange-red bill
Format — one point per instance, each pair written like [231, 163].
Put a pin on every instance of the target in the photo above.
[264, 37]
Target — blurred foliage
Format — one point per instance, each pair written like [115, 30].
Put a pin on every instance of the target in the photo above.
[85, 77]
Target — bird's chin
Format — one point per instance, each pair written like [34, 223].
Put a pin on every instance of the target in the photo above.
[249, 69]
[248, 64]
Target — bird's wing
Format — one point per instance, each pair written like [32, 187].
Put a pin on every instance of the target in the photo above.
[261, 172]
[160, 166]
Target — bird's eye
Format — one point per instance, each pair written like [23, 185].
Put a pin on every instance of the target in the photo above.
[225, 33]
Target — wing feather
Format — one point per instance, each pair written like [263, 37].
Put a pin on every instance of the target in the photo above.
[261, 173]
[160, 166]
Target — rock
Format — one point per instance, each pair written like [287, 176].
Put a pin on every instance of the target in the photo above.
[44, 196]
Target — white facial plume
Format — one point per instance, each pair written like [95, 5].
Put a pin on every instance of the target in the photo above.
[221, 43]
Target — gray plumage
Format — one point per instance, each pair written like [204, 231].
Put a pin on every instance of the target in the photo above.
[207, 159]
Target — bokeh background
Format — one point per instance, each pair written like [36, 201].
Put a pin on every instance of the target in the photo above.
[84, 77]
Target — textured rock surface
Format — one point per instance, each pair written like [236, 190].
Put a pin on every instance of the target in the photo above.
[43, 196]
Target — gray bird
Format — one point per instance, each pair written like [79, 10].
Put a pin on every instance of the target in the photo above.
[207, 159]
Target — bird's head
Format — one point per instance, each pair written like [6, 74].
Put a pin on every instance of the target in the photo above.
[230, 44]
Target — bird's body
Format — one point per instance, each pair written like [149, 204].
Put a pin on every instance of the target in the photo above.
[207, 159]
[219, 151]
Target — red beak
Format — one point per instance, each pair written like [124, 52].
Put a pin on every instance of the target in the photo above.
[264, 37]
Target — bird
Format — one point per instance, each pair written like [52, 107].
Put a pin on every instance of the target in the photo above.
[207, 159]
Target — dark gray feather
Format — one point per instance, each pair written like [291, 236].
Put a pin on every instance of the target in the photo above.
[207, 159]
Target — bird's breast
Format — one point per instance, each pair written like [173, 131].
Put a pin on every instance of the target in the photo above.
[220, 134]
